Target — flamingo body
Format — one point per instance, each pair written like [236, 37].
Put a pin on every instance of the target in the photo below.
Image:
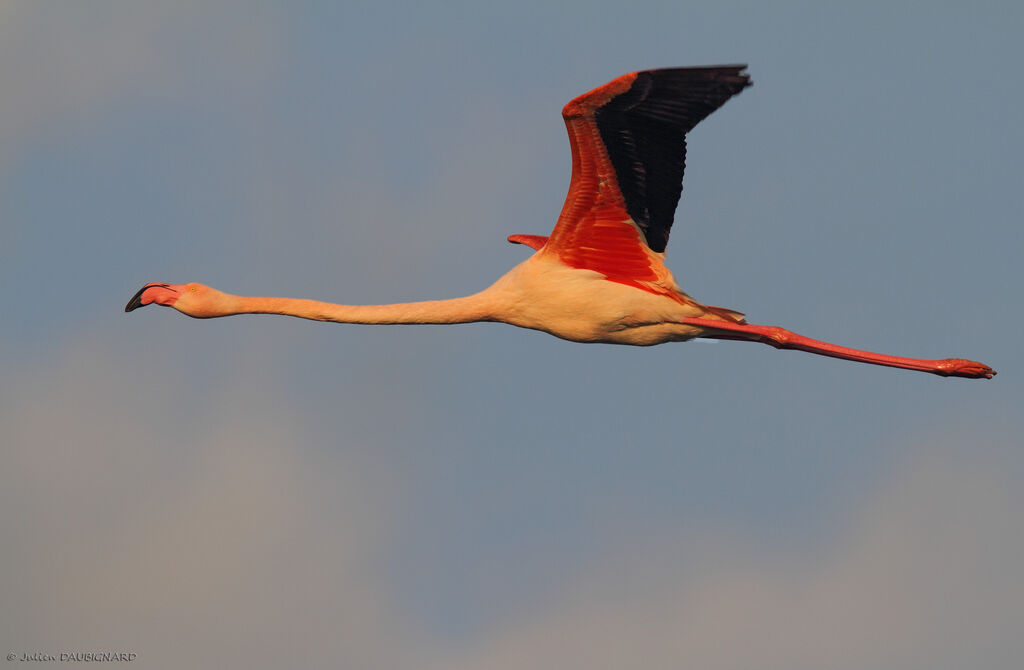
[581, 305]
[600, 276]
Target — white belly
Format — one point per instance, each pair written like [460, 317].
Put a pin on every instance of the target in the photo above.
[583, 306]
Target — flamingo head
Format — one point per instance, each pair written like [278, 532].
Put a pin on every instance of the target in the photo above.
[195, 300]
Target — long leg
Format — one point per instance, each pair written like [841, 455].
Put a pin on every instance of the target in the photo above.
[780, 338]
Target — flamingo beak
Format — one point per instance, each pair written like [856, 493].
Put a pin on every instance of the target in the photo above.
[138, 300]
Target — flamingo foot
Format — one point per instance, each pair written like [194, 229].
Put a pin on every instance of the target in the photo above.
[959, 367]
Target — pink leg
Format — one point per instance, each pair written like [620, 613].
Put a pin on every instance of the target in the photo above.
[780, 338]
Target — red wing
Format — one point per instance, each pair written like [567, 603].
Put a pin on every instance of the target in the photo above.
[536, 242]
[594, 230]
[628, 142]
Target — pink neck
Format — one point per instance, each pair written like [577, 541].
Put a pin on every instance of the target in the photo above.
[457, 310]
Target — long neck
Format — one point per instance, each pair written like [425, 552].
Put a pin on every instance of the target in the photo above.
[477, 307]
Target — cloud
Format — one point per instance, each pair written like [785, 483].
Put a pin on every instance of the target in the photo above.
[68, 64]
[925, 575]
[227, 525]
[218, 527]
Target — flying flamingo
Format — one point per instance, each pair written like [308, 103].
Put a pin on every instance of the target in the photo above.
[600, 276]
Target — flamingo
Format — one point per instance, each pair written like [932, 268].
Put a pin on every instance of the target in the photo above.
[600, 276]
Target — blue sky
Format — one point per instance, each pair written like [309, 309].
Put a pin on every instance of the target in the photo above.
[261, 491]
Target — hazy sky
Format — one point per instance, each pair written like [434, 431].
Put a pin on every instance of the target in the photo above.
[265, 492]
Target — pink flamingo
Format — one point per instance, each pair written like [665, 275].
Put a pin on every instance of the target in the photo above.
[600, 276]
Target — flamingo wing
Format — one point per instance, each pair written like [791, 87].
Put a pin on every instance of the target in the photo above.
[628, 141]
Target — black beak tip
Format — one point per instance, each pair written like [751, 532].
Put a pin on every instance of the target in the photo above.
[136, 301]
